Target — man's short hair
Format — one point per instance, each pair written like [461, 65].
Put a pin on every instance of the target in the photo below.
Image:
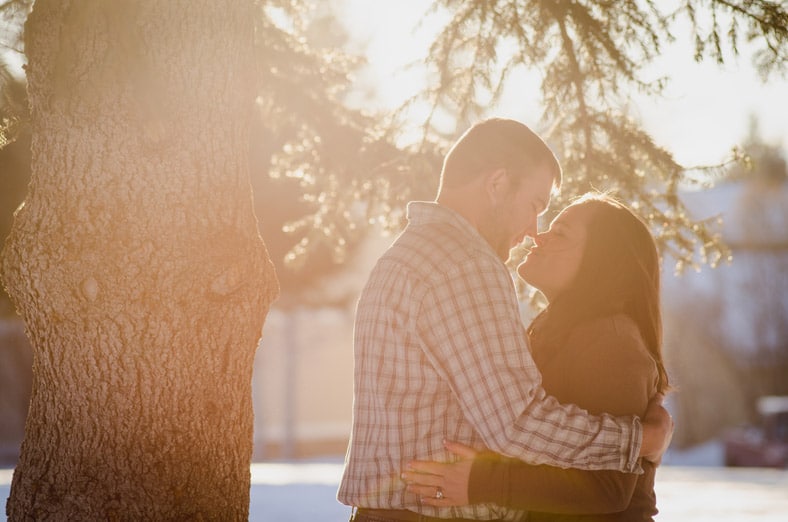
[498, 143]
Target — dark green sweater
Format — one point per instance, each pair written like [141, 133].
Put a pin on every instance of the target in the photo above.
[603, 366]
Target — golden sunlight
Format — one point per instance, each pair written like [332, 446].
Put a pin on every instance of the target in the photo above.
[695, 119]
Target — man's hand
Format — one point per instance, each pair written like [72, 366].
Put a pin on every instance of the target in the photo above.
[657, 430]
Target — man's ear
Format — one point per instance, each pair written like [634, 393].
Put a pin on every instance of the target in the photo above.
[496, 185]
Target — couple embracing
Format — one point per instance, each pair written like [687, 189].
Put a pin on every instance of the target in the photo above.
[460, 412]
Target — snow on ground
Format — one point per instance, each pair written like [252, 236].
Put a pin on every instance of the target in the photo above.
[703, 494]
[306, 491]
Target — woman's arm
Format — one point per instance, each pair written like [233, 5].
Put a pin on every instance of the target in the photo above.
[489, 477]
[511, 482]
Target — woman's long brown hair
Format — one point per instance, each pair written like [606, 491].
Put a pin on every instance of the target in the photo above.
[619, 273]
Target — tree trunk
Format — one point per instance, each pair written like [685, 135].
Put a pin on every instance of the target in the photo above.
[136, 263]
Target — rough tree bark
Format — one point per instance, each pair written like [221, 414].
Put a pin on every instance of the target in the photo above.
[136, 263]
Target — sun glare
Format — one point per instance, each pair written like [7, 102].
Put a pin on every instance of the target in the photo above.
[703, 115]
[394, 36]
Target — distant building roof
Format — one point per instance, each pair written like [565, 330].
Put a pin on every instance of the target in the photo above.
[744, 302]
[754, 213]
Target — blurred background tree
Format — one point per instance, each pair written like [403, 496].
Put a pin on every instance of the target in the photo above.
[14, 132]
[593, 56]
[733, 321]
[336, 171]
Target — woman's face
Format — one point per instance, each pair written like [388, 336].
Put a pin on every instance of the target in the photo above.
[554, 261]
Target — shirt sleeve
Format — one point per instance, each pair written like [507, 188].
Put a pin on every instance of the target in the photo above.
[604, 367]
[473, 335]
[513, 483]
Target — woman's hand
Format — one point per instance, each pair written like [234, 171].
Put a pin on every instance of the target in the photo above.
[441, 484]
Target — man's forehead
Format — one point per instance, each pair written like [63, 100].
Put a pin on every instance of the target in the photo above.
[544, 188]
[543, 203]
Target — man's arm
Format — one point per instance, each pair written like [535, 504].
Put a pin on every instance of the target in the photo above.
[475, 340]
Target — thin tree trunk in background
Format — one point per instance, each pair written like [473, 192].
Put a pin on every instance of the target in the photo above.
[136, 262]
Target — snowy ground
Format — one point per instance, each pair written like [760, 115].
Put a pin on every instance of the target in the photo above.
[306, 491]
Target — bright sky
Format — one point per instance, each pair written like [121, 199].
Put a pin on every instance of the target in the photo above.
[705, 112]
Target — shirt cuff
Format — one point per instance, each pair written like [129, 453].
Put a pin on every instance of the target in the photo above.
[631, 459]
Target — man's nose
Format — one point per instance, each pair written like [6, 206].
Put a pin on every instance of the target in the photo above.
[541, 239]
[532, 231]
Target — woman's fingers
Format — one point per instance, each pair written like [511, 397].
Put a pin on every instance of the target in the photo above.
[440, 484]
[429, 495]
[448, 487]
[461, 450]
[425, 492]
[422, 479]
[421, 466]
[428, 501]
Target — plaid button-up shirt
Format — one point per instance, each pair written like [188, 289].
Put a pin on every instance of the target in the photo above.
[441, 353]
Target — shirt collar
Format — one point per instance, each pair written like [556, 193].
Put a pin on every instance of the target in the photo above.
[424, 212]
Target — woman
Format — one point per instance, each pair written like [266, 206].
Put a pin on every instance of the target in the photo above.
[597, 345]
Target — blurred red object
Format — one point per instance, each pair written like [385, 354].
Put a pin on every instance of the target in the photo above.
[762, 445]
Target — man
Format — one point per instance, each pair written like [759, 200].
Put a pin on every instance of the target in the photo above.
[440, 349]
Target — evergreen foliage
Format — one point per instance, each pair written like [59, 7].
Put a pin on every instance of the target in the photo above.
[13, 109]
[592, 55]
[352, 172]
